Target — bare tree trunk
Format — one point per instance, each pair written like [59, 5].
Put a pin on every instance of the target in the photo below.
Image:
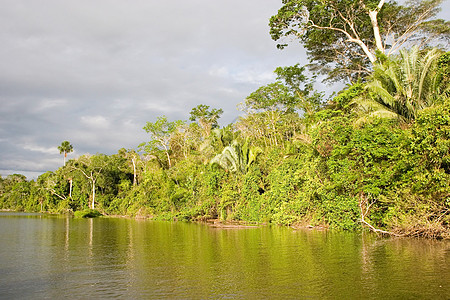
[70, 188]
[376, 29]
[93, 194]
[133, 160]
[168, 156]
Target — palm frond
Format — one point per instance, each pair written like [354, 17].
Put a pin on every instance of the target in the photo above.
[403, 85]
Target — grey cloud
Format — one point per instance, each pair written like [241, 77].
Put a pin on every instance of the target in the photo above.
[94, 72]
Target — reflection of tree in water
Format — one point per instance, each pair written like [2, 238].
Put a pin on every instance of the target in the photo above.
[405, 265]
[91, 235]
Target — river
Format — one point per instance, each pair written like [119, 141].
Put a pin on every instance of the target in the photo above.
[56, 257]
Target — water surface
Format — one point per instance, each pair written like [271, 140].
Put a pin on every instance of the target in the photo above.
[54, 257]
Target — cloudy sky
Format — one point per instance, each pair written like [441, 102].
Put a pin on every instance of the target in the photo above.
[94, 72]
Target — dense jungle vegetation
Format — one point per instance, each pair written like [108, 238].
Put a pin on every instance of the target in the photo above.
[375, 155]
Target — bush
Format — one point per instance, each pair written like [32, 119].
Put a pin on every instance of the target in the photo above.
[87, 213]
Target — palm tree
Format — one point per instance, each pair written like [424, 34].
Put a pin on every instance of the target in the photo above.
[237, 157]
[65, 148]
[401, 87]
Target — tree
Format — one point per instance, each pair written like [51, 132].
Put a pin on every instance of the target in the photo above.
[268, 110]
[206, 118]
[402, 86]
[65, 148]
[184, 139]
[237, 157]
[265, 109]
[91, 168]
[272, 97]
[132, 157]
[49, 182]
[343, 37]
[300, 86]
[14, 192]
[160, 133]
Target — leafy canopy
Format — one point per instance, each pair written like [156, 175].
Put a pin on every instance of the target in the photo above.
[160, 133]
[65, 148]
[202, 112]
[342, 37]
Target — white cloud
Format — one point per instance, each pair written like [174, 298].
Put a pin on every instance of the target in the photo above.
[95, 122]
[221, 71]
[46, 150]
[28, 174]
[254, 77]
[243, 75]
[41, 165]
[52, 103]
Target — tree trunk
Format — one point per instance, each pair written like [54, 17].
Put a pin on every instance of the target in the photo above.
[366, 50]
[373, 14]
[133, 160]
[376, 30]
[93, 194]
[168, 156]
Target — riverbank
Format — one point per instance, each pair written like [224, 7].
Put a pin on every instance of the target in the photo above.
[431, 232]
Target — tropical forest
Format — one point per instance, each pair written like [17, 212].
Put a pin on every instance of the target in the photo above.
[374, 155]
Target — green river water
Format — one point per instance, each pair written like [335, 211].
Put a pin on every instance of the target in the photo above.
[55, 257]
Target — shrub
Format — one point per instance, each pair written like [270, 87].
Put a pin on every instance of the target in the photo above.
[87, 213]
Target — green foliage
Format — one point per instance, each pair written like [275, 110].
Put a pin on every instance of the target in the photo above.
[87, 213]
[237, 157]
[271, 97]
[431, 137]
[249, 207]
[301, 86]
[65, 148]
[339, 35]
[340, 212]
[299, 164]
[404, 85]
[160, 134]
[283, 185]
[345, 98]
[206, 118]
[443, 74]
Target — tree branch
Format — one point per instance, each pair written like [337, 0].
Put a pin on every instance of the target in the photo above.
[351, 39]
[56, 194]
[410, 30]
[364, 208]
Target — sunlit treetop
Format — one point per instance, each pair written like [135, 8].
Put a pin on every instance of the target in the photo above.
[343, 37]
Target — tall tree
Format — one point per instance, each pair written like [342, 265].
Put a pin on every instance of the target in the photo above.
[343, 37]
[91, 167]
[272, 97]
[132, 157]
[160, 132]
[65, 148]
[302, 87]
[206, 118]
[185, 138]
[271, 107]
